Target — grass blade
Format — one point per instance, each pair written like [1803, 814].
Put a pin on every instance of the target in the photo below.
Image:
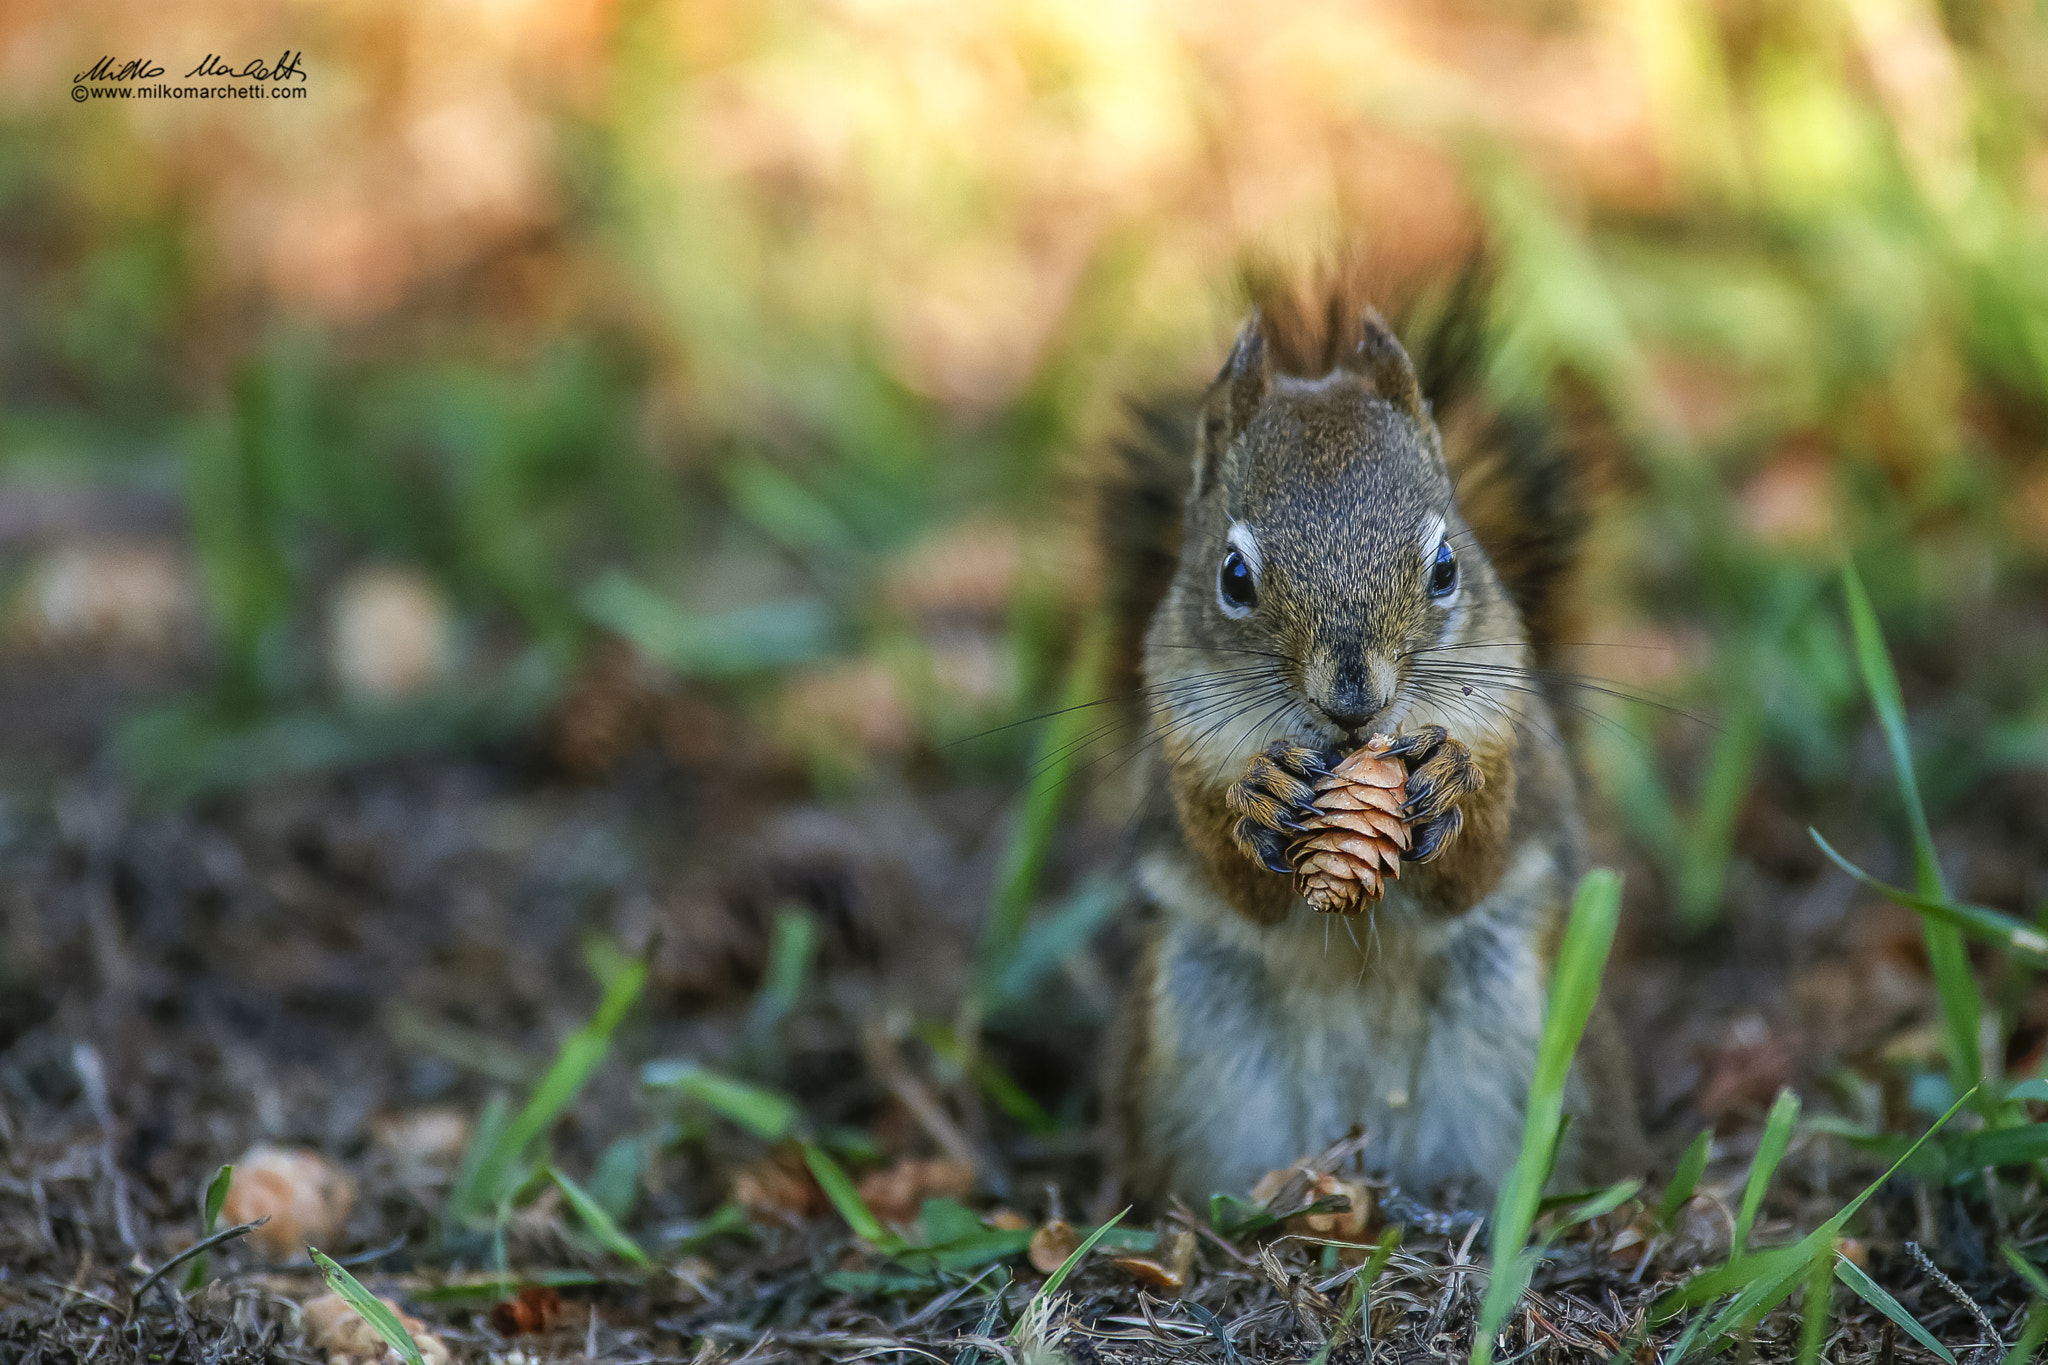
[1059, 1277]
[497, 1172]
[1054, 939]
[1962, 1007]
[210, 1204]
[1703, 855]
[2015, 937]
[2029, 1272]
[793, 946]
[1873, 1293]
[1766, 1277]
[2031, 1337]
[1685, 1181]
[490, 1131]
[1604, 1202]
[1770, 1150]
[1574, 988]
[1813, 1321]
[607, 1232]
[369, 1307]
[1024, 856]
[763, 1113]
[839, 1188]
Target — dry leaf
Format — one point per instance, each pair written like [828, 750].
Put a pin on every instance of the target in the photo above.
[1294, 1187]
[1169, 1266]
[305, 1197]
[1150, 1273]
[779, 1188]
[1632, 1243]
[1052, 1244]
[1006, 1220]
[897, 1193]
[338, 1330]
[537, 1309]
[1352, 844]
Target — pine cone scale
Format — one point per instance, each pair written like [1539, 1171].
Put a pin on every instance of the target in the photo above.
[1353, 842]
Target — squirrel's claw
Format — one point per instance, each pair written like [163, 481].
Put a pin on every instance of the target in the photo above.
[1418, 744]
[1434, 836]
[1272, 798]
[1263, 846]
[1442, 773]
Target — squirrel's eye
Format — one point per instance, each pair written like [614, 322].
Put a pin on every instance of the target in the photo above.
[1443, 574]
[1235, 589]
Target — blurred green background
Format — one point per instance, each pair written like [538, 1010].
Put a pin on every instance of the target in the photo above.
[550, 357]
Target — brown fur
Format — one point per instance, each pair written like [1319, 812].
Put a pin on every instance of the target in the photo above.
[1318, 466]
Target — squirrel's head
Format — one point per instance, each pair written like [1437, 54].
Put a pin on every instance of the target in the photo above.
[1324, 559]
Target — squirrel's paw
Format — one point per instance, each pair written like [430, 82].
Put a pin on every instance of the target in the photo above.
[1441, 773]
[1272, 798]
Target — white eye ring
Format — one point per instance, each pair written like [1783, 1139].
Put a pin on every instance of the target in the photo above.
[1237, 592]
[1444, 578]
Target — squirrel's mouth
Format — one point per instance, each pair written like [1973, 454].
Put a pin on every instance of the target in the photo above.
[1349, 729]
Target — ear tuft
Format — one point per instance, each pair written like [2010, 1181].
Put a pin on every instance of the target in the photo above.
[1381, 360]
[1228, 407]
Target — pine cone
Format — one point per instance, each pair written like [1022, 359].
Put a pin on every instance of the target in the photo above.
[1356, 837]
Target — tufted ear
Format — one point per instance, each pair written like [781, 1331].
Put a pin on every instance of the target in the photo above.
[1228, 407]
[1385, 365]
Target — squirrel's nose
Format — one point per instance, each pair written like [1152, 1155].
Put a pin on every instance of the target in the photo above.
[1350, 700]
[1350, 719]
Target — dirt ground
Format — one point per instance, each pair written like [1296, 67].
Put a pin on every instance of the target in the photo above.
[337, 962]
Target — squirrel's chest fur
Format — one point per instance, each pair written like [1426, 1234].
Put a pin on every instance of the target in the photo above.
[1264, 1043]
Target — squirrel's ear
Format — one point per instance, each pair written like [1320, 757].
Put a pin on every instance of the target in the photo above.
[1383, 363]
[1239, 389]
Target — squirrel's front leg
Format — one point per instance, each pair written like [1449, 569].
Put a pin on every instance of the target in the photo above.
[1442, 772]
[1273, 796]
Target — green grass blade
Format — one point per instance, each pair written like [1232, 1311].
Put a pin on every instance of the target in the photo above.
[1574, 987]
[1703, 856]
[729, 644]
[2014, 937]
[1813, 1320]
[2028, 1271]
[1054, 939]
[762, 1112]
[1962, 1006]
[793, 945]
[1354, 1304]
[369, 1307]
[1059, 1277]
[1770, 1150]
[995, 1082]
[1873, 1293]
[463, 1195]
[839, 1188]
[1024, 856]
[581, 1053]
[608, 1233]
[210, 1203]
[1766, 1277]
[215, 1199]
[1685, 1181]
[2031, 1336]
[1604, 1202]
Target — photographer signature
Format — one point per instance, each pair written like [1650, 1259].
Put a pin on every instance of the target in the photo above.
[286, 67]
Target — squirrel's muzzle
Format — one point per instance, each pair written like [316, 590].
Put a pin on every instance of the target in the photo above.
[1351, 693]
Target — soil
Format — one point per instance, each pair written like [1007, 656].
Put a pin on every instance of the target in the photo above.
[318, 961]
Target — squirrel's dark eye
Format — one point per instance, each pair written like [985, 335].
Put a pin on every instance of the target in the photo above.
[1443, 574]
[1234, 586]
